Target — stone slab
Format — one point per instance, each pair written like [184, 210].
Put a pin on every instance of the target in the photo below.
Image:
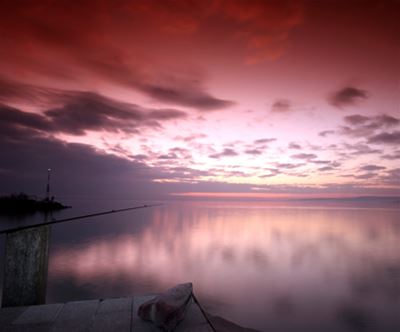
[113, 315]
[9, 315]
[76, 316]
[107, 315]
[39, 318]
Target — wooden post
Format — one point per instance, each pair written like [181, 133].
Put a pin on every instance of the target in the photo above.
[25, 267]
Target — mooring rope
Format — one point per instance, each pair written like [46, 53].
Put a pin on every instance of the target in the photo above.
[204, 313]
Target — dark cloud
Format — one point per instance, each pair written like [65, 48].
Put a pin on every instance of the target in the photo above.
[13, 120]
[227, 152]
[326, 133]
[89, 111]
[371, 168]
[169, 156]
[186, 92]
[181, 152]
[188, 96]
[326, 169]
[287, 165]
[392, 138]
[164, 114]
[329, 165]
[14, 92]
[394, 156]
[384, 120]
[294, 146]
[78, 168]
[305, 156]
[256, 148]
[365, 176]
[348, 96]
[139, 157]
[281, 106]
[83, 111]
[264, 140]
[361, 149]
[190, 138]
[356, 119]
[364, 126]
[172, 90]
[254, 152]
[320, 162]
[392, 177]
[373, 122]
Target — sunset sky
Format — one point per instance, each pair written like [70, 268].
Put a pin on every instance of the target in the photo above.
[200, 98]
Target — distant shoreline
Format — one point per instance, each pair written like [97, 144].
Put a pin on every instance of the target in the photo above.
[24, 204]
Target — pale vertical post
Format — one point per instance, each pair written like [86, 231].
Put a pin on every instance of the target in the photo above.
[25, 267]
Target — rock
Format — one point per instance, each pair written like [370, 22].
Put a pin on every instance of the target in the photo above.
[167, 309]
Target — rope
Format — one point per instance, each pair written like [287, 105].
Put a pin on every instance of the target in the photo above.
[203, 312]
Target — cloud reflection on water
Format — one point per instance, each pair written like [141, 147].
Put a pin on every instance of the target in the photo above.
[263, 267]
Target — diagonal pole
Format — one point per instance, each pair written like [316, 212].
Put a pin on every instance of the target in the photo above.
[52, 222]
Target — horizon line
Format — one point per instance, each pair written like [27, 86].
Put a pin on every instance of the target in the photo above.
[275, 196]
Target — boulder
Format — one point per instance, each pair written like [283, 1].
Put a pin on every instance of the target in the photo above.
[167, 309]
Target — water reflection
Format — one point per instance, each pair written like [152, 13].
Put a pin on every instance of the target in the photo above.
[279, 269]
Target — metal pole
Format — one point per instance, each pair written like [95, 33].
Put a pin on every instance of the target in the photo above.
[48, 184]
[52, 222]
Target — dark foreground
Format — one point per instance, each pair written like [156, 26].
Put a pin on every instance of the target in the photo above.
[119, 314]
[25, 204]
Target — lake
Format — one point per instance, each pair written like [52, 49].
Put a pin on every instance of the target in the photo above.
[277, 266]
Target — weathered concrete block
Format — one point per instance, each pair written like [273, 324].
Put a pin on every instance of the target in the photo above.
[75, 316]
[41, 314]
[9, 315]
[113, 315]
[25, 267]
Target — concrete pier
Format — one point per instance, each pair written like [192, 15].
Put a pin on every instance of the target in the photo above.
[25, 267]
[109, 315]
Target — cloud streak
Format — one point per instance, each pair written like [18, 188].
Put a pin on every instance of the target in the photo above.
[305, 156]
[281, 106]
[194, 97]
[227, 152]
[392, 138]
[87, 111]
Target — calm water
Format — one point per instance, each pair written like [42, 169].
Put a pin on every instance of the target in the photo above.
[273, 267]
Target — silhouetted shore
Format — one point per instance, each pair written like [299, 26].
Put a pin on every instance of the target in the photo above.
[23, 204]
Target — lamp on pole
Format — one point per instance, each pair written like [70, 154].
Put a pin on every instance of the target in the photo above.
[48, 184]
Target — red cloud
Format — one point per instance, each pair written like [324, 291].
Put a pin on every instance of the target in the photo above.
[116, 38]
